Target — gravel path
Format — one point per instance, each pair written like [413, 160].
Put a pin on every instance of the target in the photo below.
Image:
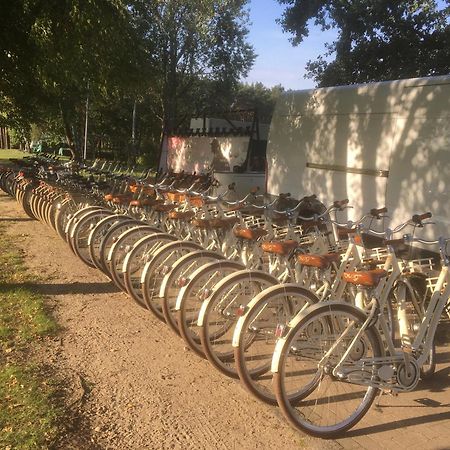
[129, 381]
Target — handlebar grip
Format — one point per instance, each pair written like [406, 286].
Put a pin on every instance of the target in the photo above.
[341, 203]
[310, 197]
[417, 218]
[285, 195]
[376, 212]
[231, 186]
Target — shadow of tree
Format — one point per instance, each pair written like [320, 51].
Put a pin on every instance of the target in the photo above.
[396, 424]
[64, 288]
[398, 127]
[15, 219]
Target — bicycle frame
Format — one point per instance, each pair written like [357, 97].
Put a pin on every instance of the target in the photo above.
[415, 353]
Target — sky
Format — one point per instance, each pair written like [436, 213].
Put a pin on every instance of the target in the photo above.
[278, 62]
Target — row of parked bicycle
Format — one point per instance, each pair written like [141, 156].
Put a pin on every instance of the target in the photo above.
[311, 314]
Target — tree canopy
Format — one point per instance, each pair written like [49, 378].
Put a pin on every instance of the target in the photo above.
[377, 39]
[158, 61]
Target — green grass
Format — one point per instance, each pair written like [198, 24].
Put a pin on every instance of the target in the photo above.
[27, 417]
[11, 153]
[28, 414]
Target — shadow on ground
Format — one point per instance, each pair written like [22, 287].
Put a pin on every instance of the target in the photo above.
[15, 219]
[65, 289]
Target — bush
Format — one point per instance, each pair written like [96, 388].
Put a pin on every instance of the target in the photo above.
[146, 160]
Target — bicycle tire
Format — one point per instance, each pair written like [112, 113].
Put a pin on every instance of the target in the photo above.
[136, 259]
[324, 405]
[121, 247]
[428, 368]
[98, 233]
[181, 271]
[25, 198]
[154, 272]
[108, 241]
[62, 215]
[190, 297]
[256, 331]
[219, 315]
[74, 217]
[79, 234]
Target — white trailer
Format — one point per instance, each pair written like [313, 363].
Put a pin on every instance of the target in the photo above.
[378, 144]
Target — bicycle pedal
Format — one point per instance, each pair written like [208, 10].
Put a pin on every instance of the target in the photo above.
[390, 392]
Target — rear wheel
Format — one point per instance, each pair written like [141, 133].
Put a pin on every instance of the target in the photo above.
[178, 277]
[220, 312]
[98, 233]
[120, 249]
[200, 286]
[410, 295]
[155, 271]
[429, 367]
[108, 240]
[74, 217]
[267, 317]
[313, 382]
[80, 232]
[134, 263]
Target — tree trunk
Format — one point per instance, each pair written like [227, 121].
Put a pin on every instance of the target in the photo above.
[69, 132]
[133, 132]
[4, 138]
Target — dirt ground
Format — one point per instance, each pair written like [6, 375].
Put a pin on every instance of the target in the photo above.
[129, 382]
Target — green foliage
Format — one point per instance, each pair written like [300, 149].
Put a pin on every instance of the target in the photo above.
[66, 49]
[377, 39]
[257, 96]
[172, 58]
[18, 136]
[145, 160]
[199, 52]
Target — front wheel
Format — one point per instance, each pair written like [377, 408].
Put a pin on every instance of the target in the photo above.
[190, 298]
[222, 309]
[332, 390]
[255, 335]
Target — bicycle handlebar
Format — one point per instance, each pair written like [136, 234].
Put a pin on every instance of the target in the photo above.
[408, 238]
[418, 218]
[376, 213]
[352, 226]
[339, 204]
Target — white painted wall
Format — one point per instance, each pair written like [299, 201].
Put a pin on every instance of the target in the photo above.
[401, 126]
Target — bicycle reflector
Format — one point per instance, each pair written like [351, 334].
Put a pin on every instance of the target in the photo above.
[182, 281]
[164, 270]
[204, 294]
[241, 311]
[280, 330]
